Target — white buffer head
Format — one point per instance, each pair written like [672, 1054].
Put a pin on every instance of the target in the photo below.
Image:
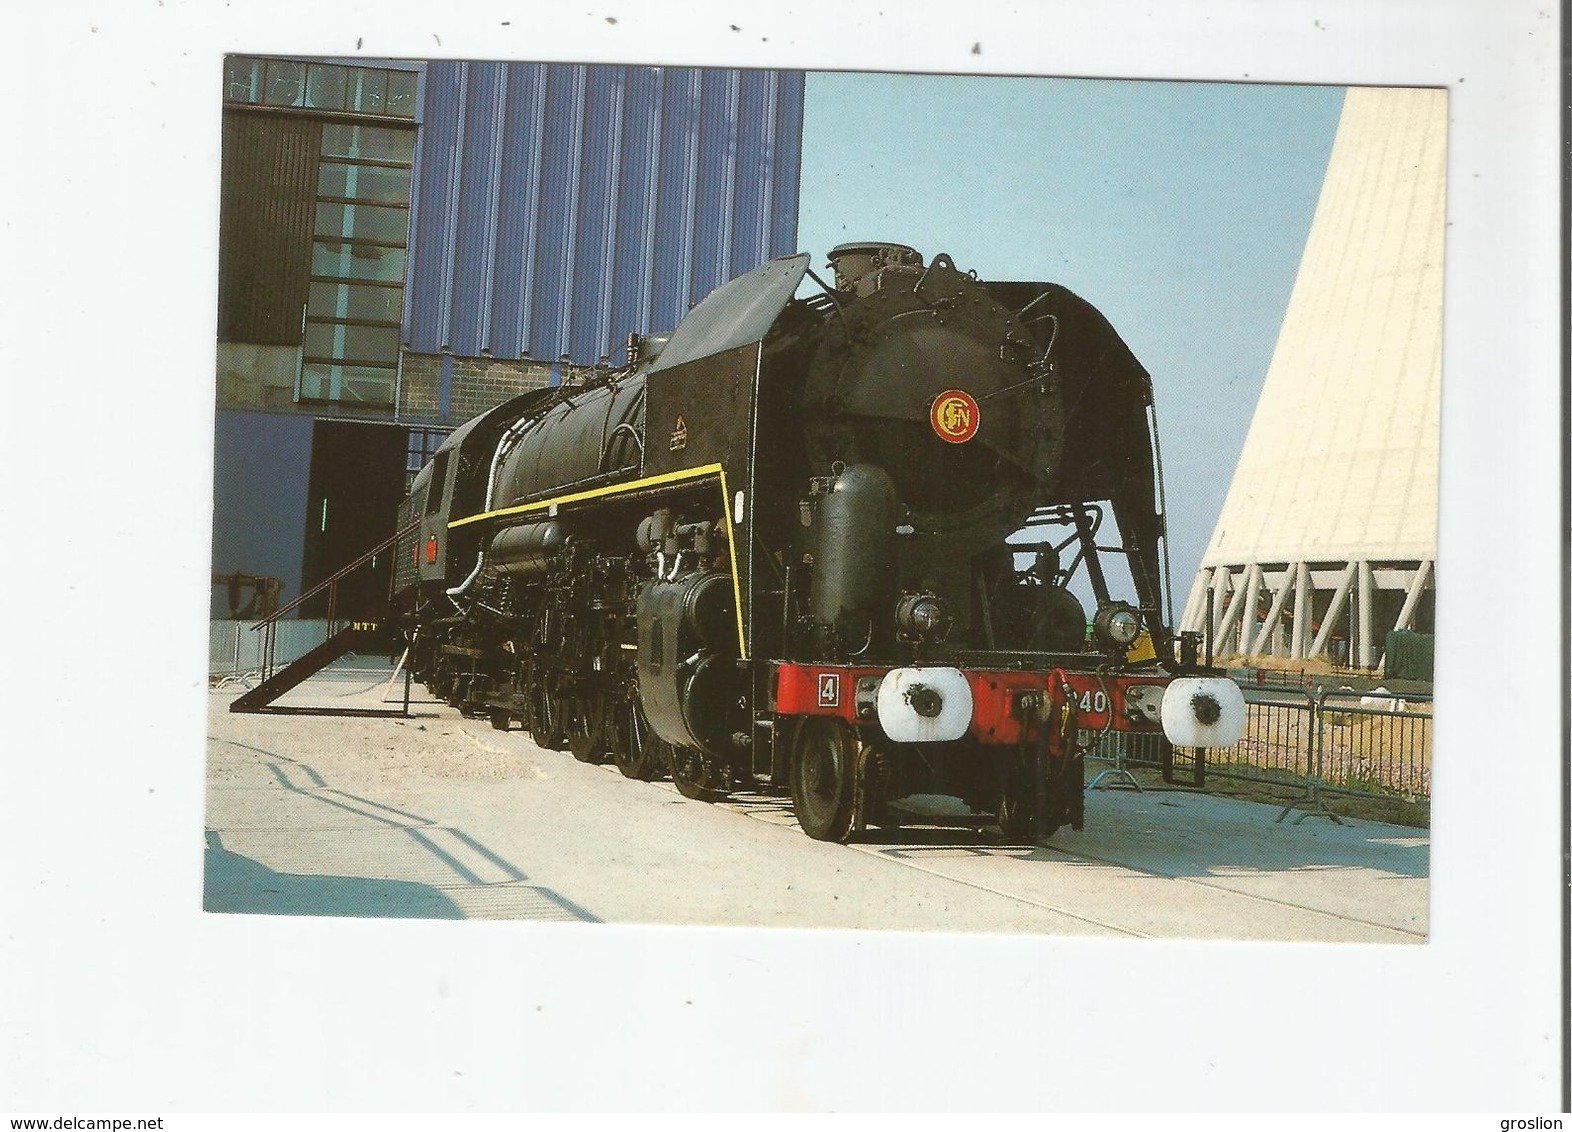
[925, 705]
[1203, 711]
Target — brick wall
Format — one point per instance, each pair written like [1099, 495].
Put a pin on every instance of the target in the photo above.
[478, 384]
[419, 384]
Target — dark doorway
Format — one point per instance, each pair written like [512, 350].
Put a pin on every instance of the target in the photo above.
[357, 480]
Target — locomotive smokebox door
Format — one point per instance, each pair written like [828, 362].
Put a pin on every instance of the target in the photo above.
[923, 375]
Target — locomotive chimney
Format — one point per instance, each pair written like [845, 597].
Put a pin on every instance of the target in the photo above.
[857, 266]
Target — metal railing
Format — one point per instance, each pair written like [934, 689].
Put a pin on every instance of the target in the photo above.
[1368, 744]
[235, 653]
[1332, 742]
[269, 625]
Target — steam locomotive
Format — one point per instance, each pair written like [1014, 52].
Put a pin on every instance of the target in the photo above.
[826, 545]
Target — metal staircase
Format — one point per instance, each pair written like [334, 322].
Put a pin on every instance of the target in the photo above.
[342, 637]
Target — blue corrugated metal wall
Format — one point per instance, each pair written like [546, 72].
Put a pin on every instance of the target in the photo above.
[558, 207]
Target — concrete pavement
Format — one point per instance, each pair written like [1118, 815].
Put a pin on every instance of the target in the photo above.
[438, 816]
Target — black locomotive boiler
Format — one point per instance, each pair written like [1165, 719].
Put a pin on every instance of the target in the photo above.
[823, 545]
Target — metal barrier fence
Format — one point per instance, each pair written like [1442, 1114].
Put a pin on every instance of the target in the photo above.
[1334, 741]
[234, 650]
[1372, 744]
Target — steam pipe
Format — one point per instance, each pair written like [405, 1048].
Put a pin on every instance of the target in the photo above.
[458, 590]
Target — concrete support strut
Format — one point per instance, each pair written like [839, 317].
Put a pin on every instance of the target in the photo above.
[1301, 612]
[1347, 594]
[1274, 615]
[1334, 610]
[1367, 651]
[1416, 590]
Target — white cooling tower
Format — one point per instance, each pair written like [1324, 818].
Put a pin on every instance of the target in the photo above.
[1327, 538]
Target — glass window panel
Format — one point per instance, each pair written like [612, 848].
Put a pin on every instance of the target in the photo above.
[368, 91]
[376, 143]
[423, 445]
[339, 140]
[363, 221]
[317, 381]
[330, 259]
[327, 300]
[330, 220]
[371, 343]
[401, 93]
[285, 84]
[367, 385]
[240, 79]
[364, 182]
[347, 300]
[325, 86]
[364, 385]
[357, 261]
[335, 340]
[398, 145]
[323, 340]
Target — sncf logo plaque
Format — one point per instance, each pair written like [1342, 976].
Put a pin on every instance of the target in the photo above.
[955, 416]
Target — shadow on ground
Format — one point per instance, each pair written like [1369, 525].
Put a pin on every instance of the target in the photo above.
[232, 883]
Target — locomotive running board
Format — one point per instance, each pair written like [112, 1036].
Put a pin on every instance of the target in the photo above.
[627, 487]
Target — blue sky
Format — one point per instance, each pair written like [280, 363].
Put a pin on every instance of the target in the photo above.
[1179, 209]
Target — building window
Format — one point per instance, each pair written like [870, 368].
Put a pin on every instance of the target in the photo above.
[358, 258]
[423, 445]
[438, 486]
[332, 87]
[359, 250]
[350, 254]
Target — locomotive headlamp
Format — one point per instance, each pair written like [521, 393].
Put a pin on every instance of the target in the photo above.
[1116, 625]
[927, 617]
[921, 617]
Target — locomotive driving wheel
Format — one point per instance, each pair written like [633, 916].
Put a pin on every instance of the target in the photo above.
[823, 778]
[585, 722]
[634, 747]
[699, 775]
[546, 721]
